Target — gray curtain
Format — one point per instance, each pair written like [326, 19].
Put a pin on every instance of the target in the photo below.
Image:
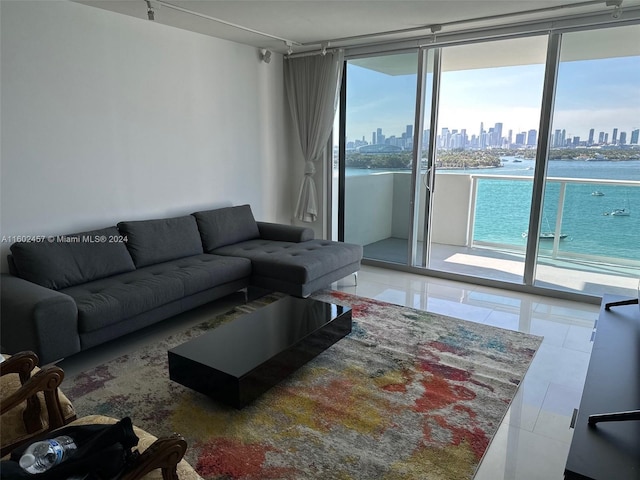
[312, 85]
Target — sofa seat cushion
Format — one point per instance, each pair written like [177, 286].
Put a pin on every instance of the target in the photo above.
[111, 300]
[294, 262]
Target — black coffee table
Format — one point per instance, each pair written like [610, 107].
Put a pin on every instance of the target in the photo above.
[238, 361]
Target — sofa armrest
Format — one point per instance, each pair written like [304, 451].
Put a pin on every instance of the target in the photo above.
[284, 233]
[36, 318]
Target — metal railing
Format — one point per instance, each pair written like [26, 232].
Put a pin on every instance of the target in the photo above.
[559, 207]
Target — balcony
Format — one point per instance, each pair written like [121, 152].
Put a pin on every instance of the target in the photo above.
[479, 224]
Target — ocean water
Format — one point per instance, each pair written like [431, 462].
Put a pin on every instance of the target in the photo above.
[502, 213]
[502, 207]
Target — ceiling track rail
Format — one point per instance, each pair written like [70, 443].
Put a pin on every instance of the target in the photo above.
[439, 26]
[433, 28]
[514, 30]
[287, 42]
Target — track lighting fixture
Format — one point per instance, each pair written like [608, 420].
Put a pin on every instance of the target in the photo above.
[616, 4]
[265, 55]
[151, 6]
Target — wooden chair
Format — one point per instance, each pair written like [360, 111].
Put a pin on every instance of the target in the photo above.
[31, 403]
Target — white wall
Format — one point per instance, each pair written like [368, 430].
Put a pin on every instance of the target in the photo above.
[378, 207]
[451, 209]
[107, 118]
[368, 208]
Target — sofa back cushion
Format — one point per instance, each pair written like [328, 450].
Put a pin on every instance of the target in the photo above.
[66, 260]
[156, 241]
[226, 226]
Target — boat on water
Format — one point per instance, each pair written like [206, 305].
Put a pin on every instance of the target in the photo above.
[620, 212]
[517, 161]
[597, 193]
[547, 235]
[551, 236]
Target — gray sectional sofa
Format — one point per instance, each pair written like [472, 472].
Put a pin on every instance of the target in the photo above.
[67, 293]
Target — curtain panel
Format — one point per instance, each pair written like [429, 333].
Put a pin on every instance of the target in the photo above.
[313, 85]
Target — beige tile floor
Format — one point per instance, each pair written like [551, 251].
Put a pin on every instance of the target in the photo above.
[533, 440]
[581, 276]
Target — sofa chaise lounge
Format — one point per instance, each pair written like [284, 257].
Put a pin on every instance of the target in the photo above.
[67, 293]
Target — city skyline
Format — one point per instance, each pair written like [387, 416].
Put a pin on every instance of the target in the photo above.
[497, 137]
[598, 94]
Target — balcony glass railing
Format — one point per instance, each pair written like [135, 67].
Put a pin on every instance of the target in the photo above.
[591, 219]
[587, 225]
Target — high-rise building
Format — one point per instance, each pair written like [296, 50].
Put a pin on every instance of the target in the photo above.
[601, 137]
[634, 136]
[591, 132]
[373, 139]
[557, 138]
[456, 140]
[482, 141]
[614, 137]
[408, 137]
[521, 138]
[379, 137]
[497, 139]
[425, 139]
[623, 138]
[606, 138]
[445, 138]
[531, 138]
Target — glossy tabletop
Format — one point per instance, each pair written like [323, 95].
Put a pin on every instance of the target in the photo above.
[239, 360]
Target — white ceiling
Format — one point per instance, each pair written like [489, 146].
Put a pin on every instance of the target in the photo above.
[309, 23]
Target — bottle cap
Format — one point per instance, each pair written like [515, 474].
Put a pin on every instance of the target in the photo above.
[27, 460]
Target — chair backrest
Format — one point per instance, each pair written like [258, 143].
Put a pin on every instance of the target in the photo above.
[30, 401]
[32, 404]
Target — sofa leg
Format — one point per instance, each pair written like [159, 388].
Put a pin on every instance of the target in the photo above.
[245, 292]
[355, 278]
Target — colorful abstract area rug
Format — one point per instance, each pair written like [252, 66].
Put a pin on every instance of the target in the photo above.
[407, 395]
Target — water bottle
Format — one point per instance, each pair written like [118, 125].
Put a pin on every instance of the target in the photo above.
[41, 456]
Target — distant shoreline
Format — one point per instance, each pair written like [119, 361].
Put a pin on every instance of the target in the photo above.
[483, 159]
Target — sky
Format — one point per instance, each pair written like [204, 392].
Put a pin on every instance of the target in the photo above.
[601, 94]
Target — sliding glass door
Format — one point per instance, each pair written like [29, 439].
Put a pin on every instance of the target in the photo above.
[591, 208]
[380, 115]
[489, 109]
[454, 152]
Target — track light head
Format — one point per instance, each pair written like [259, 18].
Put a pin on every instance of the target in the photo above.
[152, 5]
[265, 55]
[616, 4]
